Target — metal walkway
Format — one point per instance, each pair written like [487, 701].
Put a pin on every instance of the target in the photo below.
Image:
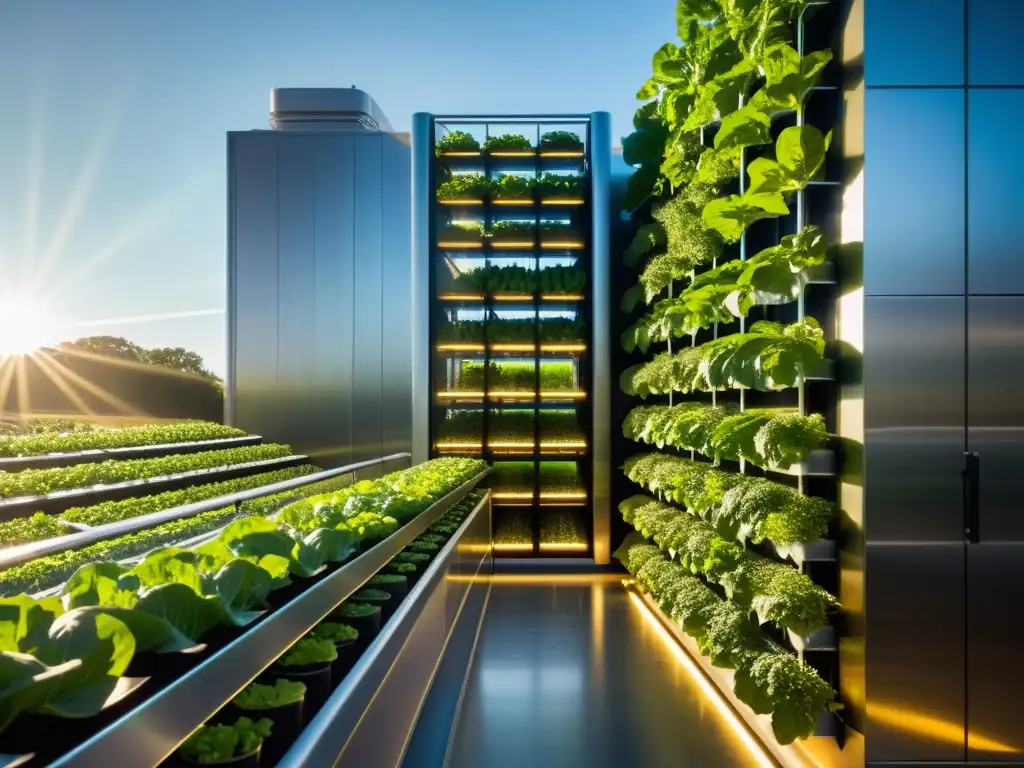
[569, 672]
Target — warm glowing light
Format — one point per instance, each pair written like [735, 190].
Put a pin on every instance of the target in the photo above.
[568, 496]
[569, 245]
[572, 547]
[713, 695]
[460, 395]
[512, 243]
[512, 202]
[444, 446]
[562, 445]
[513, 296]
[460, 347]
[461, 202]
[513, 153]
[543, 347]
[922, 724]
[461, 297]
[24, 325]
[562, 297]
[510, 495]
[577, 153]
[461, 154]
[513, 547]
[562, 201]
[453, 244]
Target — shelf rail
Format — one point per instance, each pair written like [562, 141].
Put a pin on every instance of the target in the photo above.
[24, 553]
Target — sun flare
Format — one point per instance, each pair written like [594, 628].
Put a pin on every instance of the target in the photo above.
[24, 326]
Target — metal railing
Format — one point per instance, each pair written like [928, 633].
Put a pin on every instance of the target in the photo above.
[24, 553]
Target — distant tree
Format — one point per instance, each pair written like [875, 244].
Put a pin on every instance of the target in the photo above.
[108, 346]
[180, 359]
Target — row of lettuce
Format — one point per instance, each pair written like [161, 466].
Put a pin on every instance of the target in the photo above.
[264, 719]
[63, 655]
[709, 105]
[76, 439]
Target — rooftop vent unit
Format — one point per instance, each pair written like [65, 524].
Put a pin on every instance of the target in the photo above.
[325, 109]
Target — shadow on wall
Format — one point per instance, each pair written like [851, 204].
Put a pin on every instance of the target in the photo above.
[80, 384]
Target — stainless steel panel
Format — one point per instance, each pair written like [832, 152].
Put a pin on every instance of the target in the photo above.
[995, 255]
[397, 283]
[915, 652]
[993, 51]
[333, 329]
[914, 191]
[296, 172]
[600, 172]
[914, 418]
[422, 200]
[367, 376]
[254, 295]
[995, 365]
[914, 42]
[995, 674]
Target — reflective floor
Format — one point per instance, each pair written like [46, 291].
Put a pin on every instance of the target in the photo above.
[573, 674]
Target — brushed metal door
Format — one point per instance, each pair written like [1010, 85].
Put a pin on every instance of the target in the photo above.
[995, 564]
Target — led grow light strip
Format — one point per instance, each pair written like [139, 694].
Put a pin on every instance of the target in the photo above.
[543, 347]
[475, 153]
[512, 495]
[460, 347]
[753, 746]
[513, 297]
[512, 202]
[562, 547]
[562, 297]
[562, 201]
[453, 245]
[459, 201]
[461, 395]
[570, 245]
[462, 297]
[568, 496]
[543, 444]
[464, 446]
[562, 153]
[513, 153]
[513, 547]
[512, 243]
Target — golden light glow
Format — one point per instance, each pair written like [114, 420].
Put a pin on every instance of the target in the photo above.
[512, 495]
[559, 495]
[571, 547]
[522, 395]
[562, 153]
[512, 243]
[513, 153]
[512, 202]
[923, 724]
[24, 326]
[569, 245]
[562, 201]
[459, 201]
[513, 547]
[461, 297]
[543, 347]
[752, 745]
[443, 446]
[513, 296]
[461, 154]
[454, 244]
[460, 347]
[562, 297]
[456, 395]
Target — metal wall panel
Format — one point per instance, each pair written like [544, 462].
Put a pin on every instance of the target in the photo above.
[995, 675]
[915, 651]
[996, 257]
[333, 326]
[914, 192]
[296, 162]
[995, 365]
[422, 200]
[367, 378]
[253, 296]
[993, 28]
[914, 417]
[914, 42]
[397, 283]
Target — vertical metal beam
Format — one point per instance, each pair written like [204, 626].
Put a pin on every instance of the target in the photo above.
[600, 195]
[422, 135]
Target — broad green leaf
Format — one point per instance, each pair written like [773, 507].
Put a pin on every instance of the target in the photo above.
[730, 216]
[25, 621]
[189, 613]
[667, 65]
[746, 127]
[788, 78]
[767, 176]
[26, 683]
[633, 296]
[648, 90]
[169, 565]
[101, 584]
[151, 633]
[645, 145]
[647, 238]
[801, 153]
[333, 545]
[243, 585]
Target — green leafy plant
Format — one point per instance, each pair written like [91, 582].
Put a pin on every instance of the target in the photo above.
[768, 679]
[387, 578]
[128, 437]
[457, 141]
[764, 437]
[512, 230]
[38, 482]
[553, 185]
[507, 142]
[358, 610]
[769, 356]
[511, 187]
[461, 232]
[215, 744]
[740, 507]
[281, 693]
[334, 632]
[309, 651]
[465, 186]
[401, 568]
[516, 375]
[35, 528]
[565, 141]
[562, 529]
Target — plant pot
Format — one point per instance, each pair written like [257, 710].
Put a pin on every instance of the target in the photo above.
[367, 626]
[284, 595]
[387, 606]
[348, 654]
[397, 590]
[252, 760]
[317, 678]
[286, 729]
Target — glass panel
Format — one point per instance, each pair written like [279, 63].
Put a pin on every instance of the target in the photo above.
[914, 192]
[995, 261]
[993, 28]
[913, 42]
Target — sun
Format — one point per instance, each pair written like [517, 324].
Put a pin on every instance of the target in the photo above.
[24, 326]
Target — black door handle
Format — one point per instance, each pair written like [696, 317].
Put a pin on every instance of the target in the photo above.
[972, 496]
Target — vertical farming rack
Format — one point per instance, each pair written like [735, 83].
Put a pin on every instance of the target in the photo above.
[510, 272]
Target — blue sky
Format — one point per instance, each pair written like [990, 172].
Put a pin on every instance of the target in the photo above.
[112, 146]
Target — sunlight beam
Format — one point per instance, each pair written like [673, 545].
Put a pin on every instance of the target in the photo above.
[93, 389]
[140, 319]
[24, 402]
[45, 366]
[123, 363]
